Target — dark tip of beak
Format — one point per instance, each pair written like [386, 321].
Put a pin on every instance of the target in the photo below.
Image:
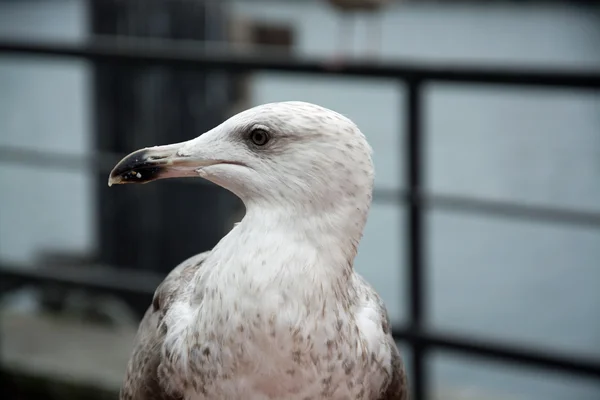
[137, 167]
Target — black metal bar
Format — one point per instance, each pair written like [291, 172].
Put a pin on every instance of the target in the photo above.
[198, 56]
[505, 352]
[509, 209]
[143, 284]
[104, 162]
[93, 162]
[116, 281]
[415, 232]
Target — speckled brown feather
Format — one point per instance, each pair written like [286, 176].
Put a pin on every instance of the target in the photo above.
[397, 389]
[141, 379]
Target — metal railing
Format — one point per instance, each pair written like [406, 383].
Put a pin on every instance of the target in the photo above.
[414, 76]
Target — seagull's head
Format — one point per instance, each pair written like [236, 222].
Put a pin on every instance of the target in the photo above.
[274, 155]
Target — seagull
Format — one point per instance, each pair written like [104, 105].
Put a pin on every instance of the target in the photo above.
[275, 310]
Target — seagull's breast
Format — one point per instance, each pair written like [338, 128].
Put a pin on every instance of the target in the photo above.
[266, 346]
[269, 327]
[261, 357]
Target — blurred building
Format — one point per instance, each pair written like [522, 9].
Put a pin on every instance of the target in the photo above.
[502, 278]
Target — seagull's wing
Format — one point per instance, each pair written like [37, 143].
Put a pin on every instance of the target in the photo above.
[395, 387]
[141, 379]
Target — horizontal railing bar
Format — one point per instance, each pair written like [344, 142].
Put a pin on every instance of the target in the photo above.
[95, 161]
[114, 280]
[511, 353]
[132, 282]
[104, 162]
[182, 55]
[510, 209]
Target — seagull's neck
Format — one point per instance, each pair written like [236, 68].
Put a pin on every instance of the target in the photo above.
[282, 243]
[333, 232]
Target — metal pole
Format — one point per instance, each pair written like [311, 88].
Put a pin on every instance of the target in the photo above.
[415, 234]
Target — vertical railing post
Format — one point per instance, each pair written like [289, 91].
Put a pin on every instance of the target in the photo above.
[415, 232]
[6, 389]
[3, 388]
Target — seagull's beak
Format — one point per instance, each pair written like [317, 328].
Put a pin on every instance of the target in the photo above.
[160, 162]
[149, 164]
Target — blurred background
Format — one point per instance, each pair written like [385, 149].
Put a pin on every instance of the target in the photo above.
[64, 122]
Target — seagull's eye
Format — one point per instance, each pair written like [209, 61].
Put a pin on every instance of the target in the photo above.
[259, 137]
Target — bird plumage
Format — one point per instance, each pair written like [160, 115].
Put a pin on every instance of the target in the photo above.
[144, 379]
[275, 310]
